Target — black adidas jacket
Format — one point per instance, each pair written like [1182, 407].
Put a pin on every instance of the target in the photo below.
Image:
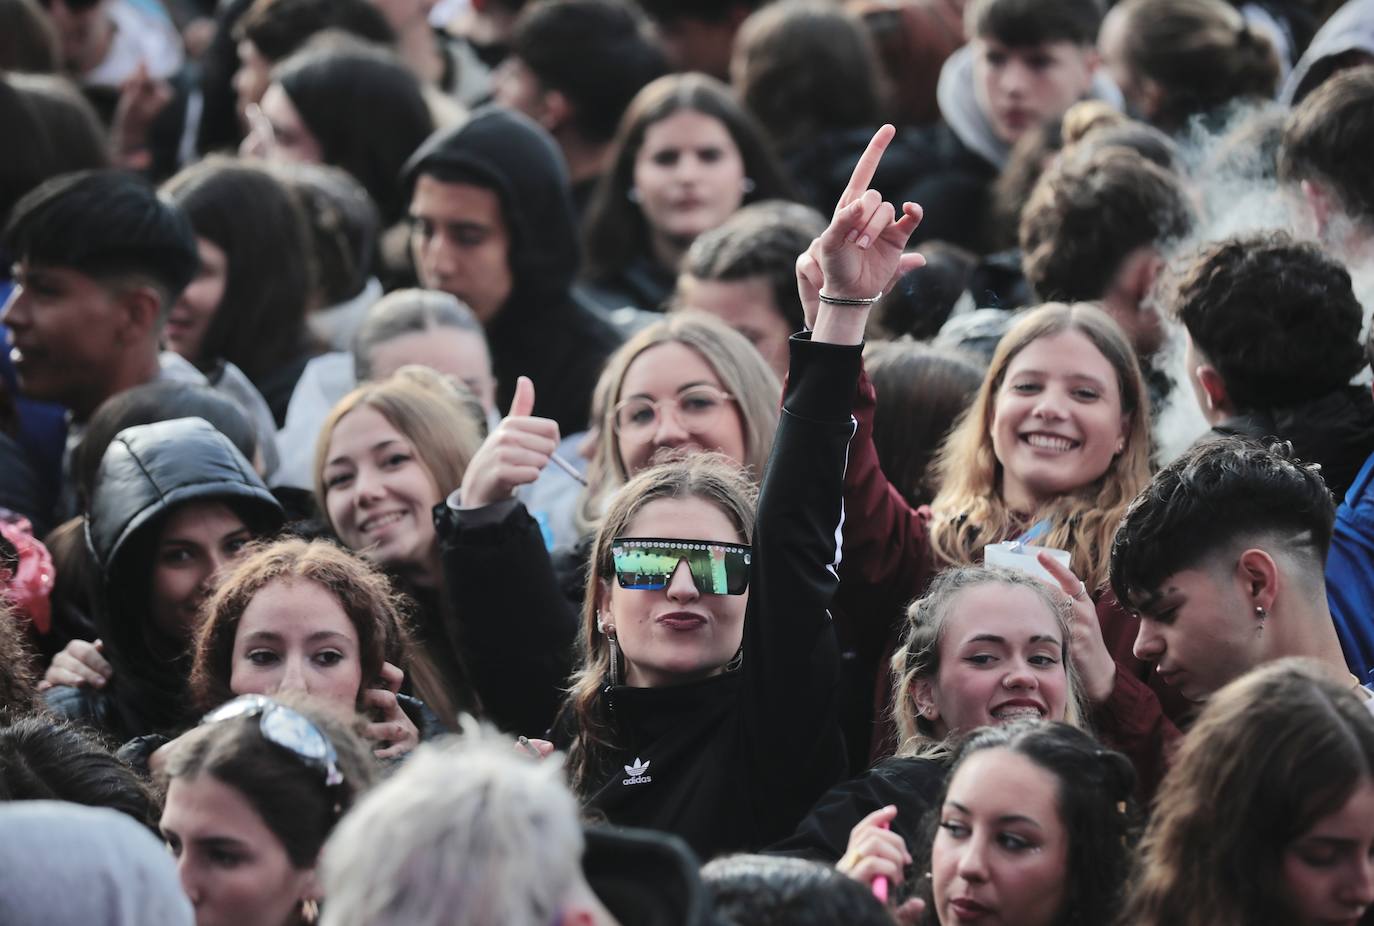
[733, 762]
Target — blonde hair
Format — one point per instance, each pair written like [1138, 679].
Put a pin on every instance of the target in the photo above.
[435, 413]
[711, 477]
[918, 656]
[742, 371]
[969, 510]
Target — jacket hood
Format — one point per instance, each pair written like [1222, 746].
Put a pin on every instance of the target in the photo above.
[1335, 430]
[150, 468]
[960, 110]
[506, 152]
[1351, 28]
[67, 863]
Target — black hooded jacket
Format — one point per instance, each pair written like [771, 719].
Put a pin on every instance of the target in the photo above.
[1336, 431]
[542, 331]
[147, 471]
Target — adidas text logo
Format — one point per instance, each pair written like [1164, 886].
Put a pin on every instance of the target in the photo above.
[636, 773]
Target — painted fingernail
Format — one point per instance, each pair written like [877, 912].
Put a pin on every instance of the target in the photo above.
[864, 241]
[853, 233]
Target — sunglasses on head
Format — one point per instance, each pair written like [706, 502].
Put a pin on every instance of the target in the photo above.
[648, 563]
[289, 729]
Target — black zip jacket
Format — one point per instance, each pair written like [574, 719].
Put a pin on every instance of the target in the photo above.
[733, 762]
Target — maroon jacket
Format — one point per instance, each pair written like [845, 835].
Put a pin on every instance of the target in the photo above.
[888, 561]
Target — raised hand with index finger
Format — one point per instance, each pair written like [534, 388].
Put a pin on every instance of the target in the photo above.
[859, 255]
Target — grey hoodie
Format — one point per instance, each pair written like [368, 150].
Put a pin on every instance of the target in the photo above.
[960, 109]
[1351, 28]
[66, 863]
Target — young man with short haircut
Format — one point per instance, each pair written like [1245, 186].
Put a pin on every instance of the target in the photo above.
[1222, 556]
[1026, 62]
[744, 273]
[99, 260]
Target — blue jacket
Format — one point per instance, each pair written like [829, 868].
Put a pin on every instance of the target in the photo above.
[1350, 574]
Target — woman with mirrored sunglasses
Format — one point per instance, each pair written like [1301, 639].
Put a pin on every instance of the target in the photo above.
[682, 386]
[252, 794]
[706, 705]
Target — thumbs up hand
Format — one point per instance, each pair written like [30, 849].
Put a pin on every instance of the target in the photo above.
[513, 455]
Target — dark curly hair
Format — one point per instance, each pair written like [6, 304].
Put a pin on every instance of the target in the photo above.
[1276, 317]
[1328, 138]
[1087, 215]
[1094, 788]
[1215, 494]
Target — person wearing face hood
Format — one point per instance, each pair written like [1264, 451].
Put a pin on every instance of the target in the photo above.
[492, 223]
[172, 503]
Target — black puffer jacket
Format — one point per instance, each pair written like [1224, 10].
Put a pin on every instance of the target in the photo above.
[541, 331]
[146, 472]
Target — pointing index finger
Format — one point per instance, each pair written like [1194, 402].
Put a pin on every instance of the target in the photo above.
[868, 165]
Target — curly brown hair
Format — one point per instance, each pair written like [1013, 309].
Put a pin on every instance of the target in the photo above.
[1276, 317]
[365, 595]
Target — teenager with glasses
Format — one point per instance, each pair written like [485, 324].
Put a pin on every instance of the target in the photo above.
[706, 704]
[252, 794]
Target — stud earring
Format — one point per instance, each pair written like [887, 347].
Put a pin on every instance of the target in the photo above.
[632, 194]
[1260, 612]
[747, 185]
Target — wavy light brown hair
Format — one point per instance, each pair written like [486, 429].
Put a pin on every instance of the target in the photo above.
[918, 656]
[742, 372]
[710, 477]
[969, 511]
[365, 595]
[1272, 753]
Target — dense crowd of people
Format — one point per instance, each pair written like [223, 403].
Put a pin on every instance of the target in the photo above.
[724, 463]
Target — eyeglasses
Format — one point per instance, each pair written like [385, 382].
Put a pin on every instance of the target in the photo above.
[289, 729]
[695, 409]
[648, 563]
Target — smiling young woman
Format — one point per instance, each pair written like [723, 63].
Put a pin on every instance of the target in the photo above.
[1057, 440]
